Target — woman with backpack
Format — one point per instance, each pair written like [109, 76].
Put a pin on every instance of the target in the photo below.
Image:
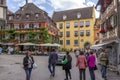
[67, 65]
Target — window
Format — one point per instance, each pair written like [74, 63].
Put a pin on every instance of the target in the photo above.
[78, 15]
[67, 25]
[17, 16]
[81, 32]
[115, 20]
[64, 17]
[112, 21]
[76, 33]
[26, 26]
[10, 17]
[75, 24]
[87, 23]
[97, 35]
[75, 42]
[27, 16]
[60, 26]
[67, 33]
[87, 32]
[36, 15]
[31, 26]
[61, 42]
[16, 26]
[67, 42]
[17, 37]
[61, 34]
[36, 26]
[1, 1]
[81, 23]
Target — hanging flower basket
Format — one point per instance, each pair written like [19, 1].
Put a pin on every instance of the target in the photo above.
[102, 30]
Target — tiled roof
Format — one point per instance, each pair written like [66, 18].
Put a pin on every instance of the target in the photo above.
[72, 14]
[31, 10]
[9, 12]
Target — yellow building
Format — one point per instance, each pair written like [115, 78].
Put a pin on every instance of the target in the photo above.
[76, 27]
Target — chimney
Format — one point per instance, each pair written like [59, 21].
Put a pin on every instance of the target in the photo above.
[26, 1]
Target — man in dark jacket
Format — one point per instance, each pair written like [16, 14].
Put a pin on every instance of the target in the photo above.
[53, 57]
[68, 65]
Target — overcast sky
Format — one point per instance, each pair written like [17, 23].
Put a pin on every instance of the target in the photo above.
[52, 5]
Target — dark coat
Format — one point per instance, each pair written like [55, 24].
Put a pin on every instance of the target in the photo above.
[68, 65]
[25, 62]
[53, 57]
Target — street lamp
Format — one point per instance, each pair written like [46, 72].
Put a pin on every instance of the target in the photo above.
[64, 18]
[78, 17]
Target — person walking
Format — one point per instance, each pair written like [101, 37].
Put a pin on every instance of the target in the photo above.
[67, 65]
[53, 57]
[28, 62]
[82, 64]
[104, 63]
[91, 64]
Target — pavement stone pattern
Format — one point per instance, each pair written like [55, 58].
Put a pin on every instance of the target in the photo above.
[11, 68]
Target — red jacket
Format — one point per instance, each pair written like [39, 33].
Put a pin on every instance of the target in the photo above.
[81, 62]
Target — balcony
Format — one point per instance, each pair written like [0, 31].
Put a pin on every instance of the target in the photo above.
[110, 34]
[109, 11]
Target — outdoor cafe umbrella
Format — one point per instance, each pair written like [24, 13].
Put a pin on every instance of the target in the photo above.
[27, 44]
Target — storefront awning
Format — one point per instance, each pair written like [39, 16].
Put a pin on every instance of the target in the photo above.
[102, 44]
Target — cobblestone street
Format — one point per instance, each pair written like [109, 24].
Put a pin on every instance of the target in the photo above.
[11, 69]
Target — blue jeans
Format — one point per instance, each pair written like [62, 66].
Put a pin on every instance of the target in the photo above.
[51, 68]
[92, 74]
[28, 73]
[103, 71]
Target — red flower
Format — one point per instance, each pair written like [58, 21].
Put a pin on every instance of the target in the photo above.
[101, 30]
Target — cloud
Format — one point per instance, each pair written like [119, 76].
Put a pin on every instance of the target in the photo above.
[71, 4]
[66, 4]
[58, 5]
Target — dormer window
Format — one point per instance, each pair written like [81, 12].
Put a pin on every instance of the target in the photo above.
[78, 15]
[64, 17]
[17, 16]
[36, 15]
[27, 16]
[10, 17]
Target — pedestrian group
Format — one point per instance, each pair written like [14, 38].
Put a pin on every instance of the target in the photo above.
[83, 61]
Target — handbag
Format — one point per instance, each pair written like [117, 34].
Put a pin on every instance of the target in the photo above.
[95, 68]
[34, 66]
[65, 61]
